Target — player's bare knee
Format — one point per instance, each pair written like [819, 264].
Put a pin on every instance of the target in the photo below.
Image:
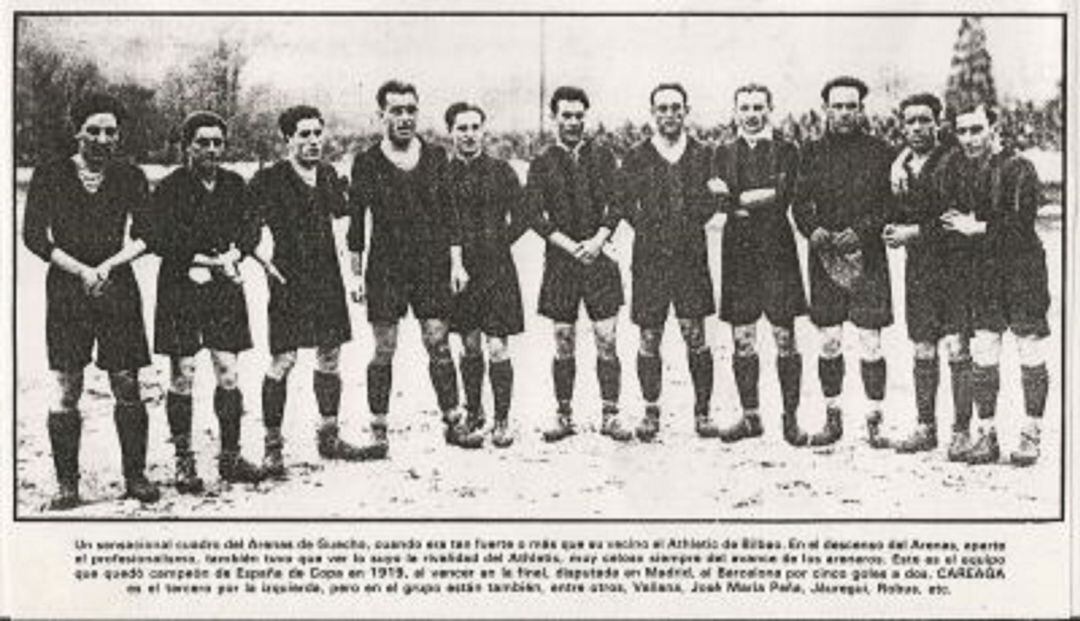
[870, 344]
[986, 348]
[498, 348]
[693, 334]
[565, 342]
[606, 346]
[1032, 350]
[327, 359]
[956, 347]
[925, 350]
[784, 337]
[832, 342]
[281, 365]
[472, 343]
[385, 343]
[649, 345]
[69, 387]
[125, 386]
[182, 375]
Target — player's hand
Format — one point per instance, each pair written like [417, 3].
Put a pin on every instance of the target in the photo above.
[963, 223]
[845, 240]
[718, 186]
[898, 173]
[229, 264]
[459, 278]
[821, 238]
[590, 250]
[101, 276]
[896, 235]
[91, 281]
[200, 275]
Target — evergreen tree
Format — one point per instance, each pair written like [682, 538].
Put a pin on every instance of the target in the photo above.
[970, 80]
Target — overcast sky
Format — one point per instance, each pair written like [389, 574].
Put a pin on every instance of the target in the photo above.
[336, 62]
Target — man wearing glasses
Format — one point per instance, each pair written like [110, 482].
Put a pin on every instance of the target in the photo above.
[299, 197]
[992, 197]
[760, 266]
[665, 197]
[413, 257]
[571, 199]
[203, 225]
[842, 204]
[78, 211]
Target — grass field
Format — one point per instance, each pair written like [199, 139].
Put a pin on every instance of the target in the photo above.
[680, 476]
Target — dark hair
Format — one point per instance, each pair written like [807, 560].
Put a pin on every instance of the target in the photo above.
[844, 81]
[394, 86]
[459, 107]
[753, 87]
[669, 86]
[568, 93]
[292, 116]
[196, 120]
[968, 108]
[922, 99]
[96, 103]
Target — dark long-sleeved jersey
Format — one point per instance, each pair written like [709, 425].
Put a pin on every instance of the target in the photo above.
[188, 219]
[60, 213]
[412, 219]
[844, 182]
[488, 204]
[575, 198]
[666, 204]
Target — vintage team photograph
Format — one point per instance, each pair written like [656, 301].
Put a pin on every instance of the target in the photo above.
[538, 267]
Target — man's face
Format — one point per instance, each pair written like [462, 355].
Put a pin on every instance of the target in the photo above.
[570, 120]
[306, 143]
[467, 133]
[752, 110]
[844, 109]
[920, 128]
[399, 117]
[98, 137]
[206, 148]
[975, 134]
[669, 111]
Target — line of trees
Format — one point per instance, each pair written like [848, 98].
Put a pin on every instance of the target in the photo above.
[48, 80]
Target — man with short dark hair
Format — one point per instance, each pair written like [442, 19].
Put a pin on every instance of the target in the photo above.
[570, 195]
[486, 198]
[299, 198]
[992, 197]
[760, 265]
[203, 224]
[665, 198]
[77, 215]
[937, 276]
[413, 257]
[842, 204]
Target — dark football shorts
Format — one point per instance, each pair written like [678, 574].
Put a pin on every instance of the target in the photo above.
[868, 304]
[490, 302]
[425, 288]
[307, 317]
[1013, 293]
[659, 283]
[213, 315]
[938, 294]
[567, 283]
[75, 322]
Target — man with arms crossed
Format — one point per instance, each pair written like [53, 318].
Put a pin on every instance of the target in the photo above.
[487, 199]
[760, 266]
[414, 256]
[571, 199]
[992, 197]
[77, 215]
[203, 224]
[299, 197]
[842, 204]
[937, 276]
[665, 197]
